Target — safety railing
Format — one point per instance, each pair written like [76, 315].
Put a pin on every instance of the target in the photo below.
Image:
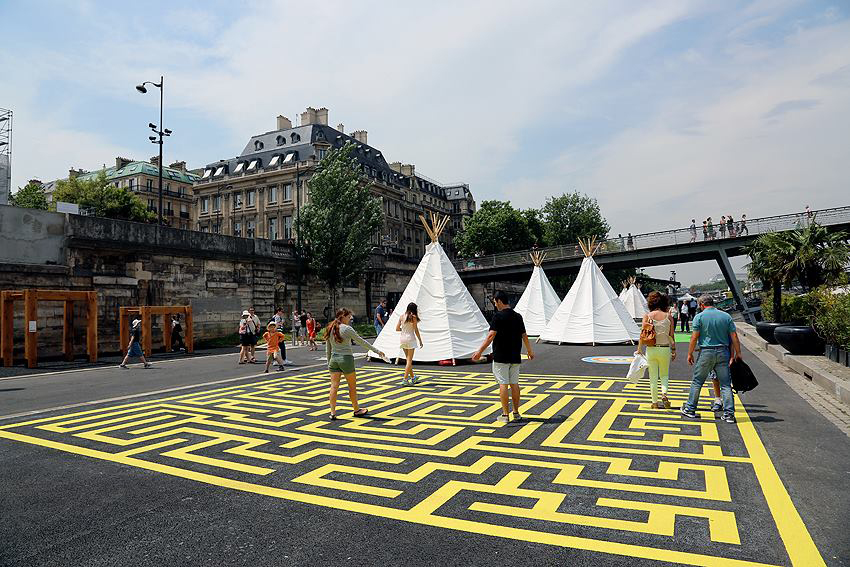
[680, 236]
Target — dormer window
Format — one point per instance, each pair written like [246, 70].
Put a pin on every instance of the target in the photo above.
[258, 145]
[281, 140]
[253, 165]
[289, 158]
[239, 167]
[219, 171]
[274, 161]
[295, 138]
[207, 173]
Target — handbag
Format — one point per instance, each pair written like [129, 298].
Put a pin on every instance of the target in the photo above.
[647, 332]
[637, 368]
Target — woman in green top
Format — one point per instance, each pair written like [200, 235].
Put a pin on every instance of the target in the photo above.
[339, 335]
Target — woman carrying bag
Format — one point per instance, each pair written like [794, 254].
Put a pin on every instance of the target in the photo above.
[657, 334]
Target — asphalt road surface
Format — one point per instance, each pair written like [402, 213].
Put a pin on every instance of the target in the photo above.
[199, 461]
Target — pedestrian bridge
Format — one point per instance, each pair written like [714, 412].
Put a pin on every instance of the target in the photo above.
[652, 249]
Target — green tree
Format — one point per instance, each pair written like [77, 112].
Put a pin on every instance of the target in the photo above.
[809, 255]
[336, 226]
[572, 216]
[497, 227]
[106, 200]
[30, 196]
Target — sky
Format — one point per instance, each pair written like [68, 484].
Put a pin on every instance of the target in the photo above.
[662, 110]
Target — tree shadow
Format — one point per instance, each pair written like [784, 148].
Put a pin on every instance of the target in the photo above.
[765, 419]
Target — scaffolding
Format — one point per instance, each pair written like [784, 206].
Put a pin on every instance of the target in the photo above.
[5, 155]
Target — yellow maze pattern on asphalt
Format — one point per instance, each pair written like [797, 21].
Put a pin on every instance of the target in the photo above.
[591, 466]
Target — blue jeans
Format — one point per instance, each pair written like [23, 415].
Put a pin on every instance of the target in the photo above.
[378, 327]
[709, 359]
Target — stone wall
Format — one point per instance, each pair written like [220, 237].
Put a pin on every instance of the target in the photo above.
[132, 264]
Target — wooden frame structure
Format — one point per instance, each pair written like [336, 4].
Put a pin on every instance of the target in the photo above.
[145, 312]
[31, 297]
[537, 257]
[438, 223]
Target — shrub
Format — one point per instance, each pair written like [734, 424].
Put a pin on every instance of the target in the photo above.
[832, 317]
[796, 309]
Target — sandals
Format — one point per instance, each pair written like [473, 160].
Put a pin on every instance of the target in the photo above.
[665, 402]
[361, 412]
[332, 417]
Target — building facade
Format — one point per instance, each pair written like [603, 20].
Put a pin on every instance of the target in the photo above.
[258, 194]
[142, 178]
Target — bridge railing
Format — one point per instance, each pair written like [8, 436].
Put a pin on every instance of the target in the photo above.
[837, 215]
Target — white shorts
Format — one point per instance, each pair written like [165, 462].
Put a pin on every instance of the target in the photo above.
[506, 373]
[407, 345]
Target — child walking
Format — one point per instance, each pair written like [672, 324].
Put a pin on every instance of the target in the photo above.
[135, 346]
[408, 326]
[273, 338]
[245, 338]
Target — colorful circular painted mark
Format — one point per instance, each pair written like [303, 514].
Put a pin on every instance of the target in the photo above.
[608, 359]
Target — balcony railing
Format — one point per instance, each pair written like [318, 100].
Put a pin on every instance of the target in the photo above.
[838, 215]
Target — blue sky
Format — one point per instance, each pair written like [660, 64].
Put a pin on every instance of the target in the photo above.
[661, 110]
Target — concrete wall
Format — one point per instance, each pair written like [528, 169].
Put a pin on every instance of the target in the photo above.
[29, 236]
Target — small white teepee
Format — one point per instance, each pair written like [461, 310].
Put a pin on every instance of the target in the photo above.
[591, 312]
[539, 300]
[624, 290]
[451, 324]
[634, 300]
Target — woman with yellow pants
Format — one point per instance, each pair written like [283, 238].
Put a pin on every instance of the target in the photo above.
[663, 351]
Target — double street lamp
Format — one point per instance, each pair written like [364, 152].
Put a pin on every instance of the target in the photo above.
[160, 133]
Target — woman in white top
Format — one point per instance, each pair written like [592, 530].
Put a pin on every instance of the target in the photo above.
[664, 350]
[408, 326]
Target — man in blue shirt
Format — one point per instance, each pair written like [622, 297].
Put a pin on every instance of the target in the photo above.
[380, 316]
[714, 330]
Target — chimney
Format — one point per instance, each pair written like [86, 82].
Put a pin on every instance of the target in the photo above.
[360, 136]
[121, 162]
[72, 173]
[341, 127]
[308, 116]
[178, 165]
[283, 123]
[322, 116]
[155, 161]
[396, 166]
[408, 169]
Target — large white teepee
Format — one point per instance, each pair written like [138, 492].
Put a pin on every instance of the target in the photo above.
[451, 324]
[539, 300]
[591, 312]
[634, 300]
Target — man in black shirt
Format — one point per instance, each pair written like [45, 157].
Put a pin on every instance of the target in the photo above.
[507, 333]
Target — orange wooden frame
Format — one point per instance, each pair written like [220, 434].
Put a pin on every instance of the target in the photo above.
[144, 312]
[31, 297]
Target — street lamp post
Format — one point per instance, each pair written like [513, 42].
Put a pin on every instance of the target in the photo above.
[160, 132]
[298, 232]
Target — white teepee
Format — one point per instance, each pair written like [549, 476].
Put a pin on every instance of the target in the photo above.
[451, 324]
[624, 290]
[591, 312]
[634, 300]
[539, 300]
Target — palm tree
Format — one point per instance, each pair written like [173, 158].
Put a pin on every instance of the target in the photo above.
[809, 255]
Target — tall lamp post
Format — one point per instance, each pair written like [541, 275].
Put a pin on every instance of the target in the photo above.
[160, 132]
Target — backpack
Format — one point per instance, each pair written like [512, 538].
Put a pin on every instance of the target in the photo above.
[743, 379]
[647, 332]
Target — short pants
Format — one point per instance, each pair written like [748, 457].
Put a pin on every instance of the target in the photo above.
[135, 349]
[341, 363]
[506, 373]
[246, 339]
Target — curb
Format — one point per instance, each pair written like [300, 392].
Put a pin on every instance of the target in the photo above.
[809, 367]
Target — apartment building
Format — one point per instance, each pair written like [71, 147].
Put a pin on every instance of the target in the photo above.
[142, 178]
[258, 193]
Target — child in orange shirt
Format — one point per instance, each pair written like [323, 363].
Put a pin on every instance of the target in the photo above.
[273, 339]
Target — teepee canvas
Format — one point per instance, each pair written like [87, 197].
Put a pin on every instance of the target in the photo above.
[451, 324]
[634, 300]
[624, 290]
[591, 312]
[539, 300]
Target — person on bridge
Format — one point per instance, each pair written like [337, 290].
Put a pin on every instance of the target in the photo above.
[742, 228]
[507, 333]
[705, 230]
[693, 230]
[715, 332]
[730, 224]
[630, 241]
[723, 226]
[340, 357]
[660, 354]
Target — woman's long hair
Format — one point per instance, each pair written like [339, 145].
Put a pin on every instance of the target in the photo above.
[333, 326]
[412, 313]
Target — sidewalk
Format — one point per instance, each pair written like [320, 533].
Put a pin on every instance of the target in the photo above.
[819, 381]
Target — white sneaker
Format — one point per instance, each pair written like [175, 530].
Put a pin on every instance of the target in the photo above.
[288, 362]
[504, 418]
